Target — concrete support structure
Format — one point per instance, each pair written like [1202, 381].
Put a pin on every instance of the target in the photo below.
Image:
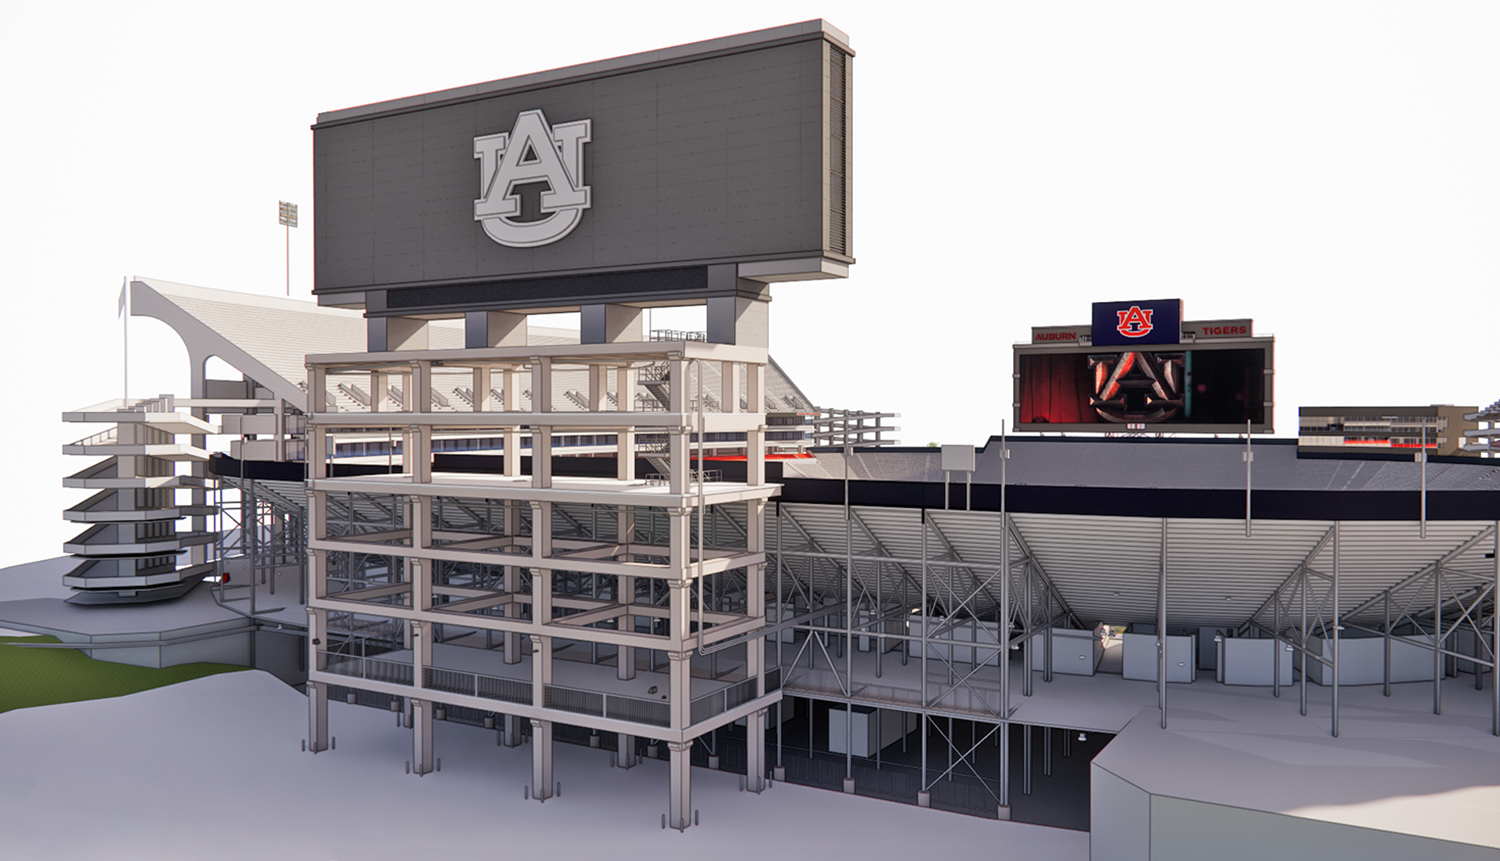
[421, 736]
[541, 759]
[443, 567]
[680, 809]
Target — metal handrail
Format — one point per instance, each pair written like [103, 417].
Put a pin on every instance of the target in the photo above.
[101, 438]
[613, 706]
[477, 685]
[369, 669]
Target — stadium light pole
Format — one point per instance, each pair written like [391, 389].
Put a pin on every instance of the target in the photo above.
[287, 217]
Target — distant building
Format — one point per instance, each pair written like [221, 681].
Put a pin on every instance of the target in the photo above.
[1441, 428]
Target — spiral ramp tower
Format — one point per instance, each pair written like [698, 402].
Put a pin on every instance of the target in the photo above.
[132, 549]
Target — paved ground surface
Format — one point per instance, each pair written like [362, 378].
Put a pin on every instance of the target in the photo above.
[213, 768]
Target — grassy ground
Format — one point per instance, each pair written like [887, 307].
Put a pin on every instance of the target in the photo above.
[39, 677]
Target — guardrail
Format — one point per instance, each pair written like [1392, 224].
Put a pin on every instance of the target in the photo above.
[370, 669]
[612, 706]
[104, 437]
[477, 685]
[732, 697]
[709, 476]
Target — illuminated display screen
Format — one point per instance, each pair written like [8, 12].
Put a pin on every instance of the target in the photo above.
[1185, 389]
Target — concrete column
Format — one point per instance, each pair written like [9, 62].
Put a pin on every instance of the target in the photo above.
[317, 626]
[494, 329]
[421, 387]
[679, 533]
[541, 456]
[625, 757]
[408, 390]
[420, 570]
[541, 669]
[482, 386]
[541, 759]
[755, 440]
[541, 385]
[738, 320]
[755, 388]
[317, 716]
[511, 436]
[610, 324]
[677, 389]
[421, 647]
[419, 456]
[317, 560]
[679, 448]
[317, 452]
[421, 736]
[512, 583]
[405, 333]
[729, 391]
[625, 663]
[680, 686]
[380, 397]
[755, 751]
[598, 387]
[755, 590]
[625, 388]
[509, 730]
[680, 809]
[625, 447]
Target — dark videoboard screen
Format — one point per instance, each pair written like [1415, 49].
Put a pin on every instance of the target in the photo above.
[1178, 390]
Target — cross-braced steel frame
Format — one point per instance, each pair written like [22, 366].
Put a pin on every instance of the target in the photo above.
[960, 616]
[1436, 604]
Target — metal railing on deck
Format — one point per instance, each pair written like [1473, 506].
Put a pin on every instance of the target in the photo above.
[612, 706]
[370, 669]
[732, 697]
[477, 685]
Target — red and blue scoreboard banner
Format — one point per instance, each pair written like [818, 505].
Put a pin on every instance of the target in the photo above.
[1123, 324]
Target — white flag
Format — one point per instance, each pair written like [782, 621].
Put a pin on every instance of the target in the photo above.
[121, 312]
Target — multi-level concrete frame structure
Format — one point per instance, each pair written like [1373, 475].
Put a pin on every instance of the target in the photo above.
[130, 550]
[528, 573]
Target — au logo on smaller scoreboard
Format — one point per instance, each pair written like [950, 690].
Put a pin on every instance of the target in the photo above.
[1158, 321]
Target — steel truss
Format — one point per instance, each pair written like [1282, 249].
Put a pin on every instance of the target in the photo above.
[1440, 605]
[943, 604]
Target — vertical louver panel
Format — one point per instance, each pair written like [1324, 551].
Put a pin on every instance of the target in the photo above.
[838, 168]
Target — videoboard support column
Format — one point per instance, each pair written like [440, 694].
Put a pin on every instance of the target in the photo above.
[755, 748]
[755, 440]
[541, 456]
[681, 792]
[494, 329]
[317, 717]
[755, 648]
[611, 324]
[512, 581]
[511, 436]
[738, 320]
[541, 759]
[480, 401]
[421, 736]
[680, 681]
[625, 402]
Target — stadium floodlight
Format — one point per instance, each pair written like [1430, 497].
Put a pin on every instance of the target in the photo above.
[286, 215]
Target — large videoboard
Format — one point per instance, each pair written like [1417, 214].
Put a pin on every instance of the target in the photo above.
[1205, 387]
[668, 174]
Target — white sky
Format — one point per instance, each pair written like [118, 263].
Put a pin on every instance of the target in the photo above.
[1329, 169]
